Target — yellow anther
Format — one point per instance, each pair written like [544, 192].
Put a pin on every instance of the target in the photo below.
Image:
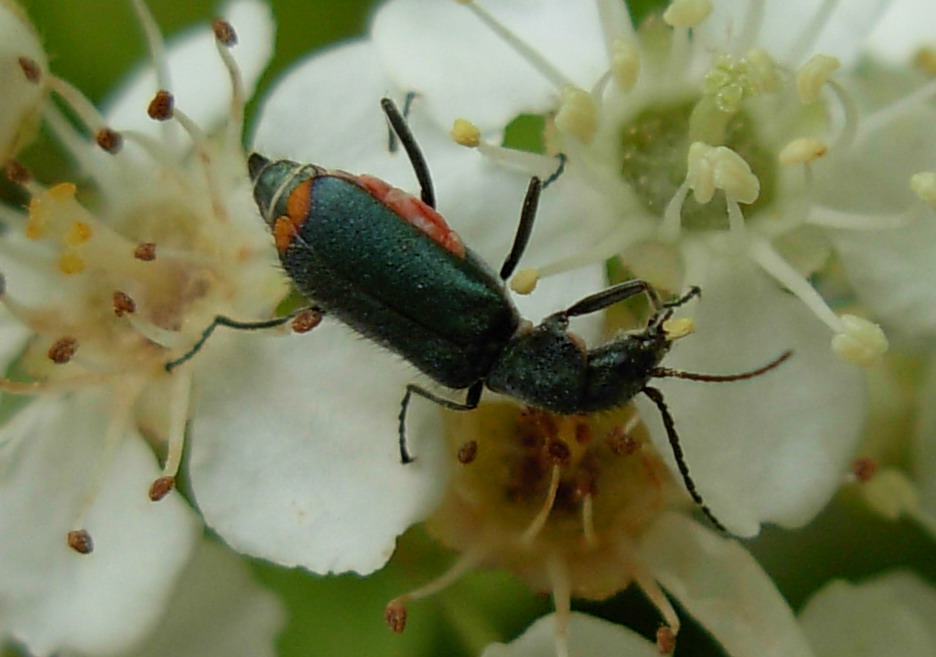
[678, 328]
[861, 342]
[687, 13]
[803, 151]
[924, 185]
[525, 280]
[465, 133]
[35, 226]
[762, 71]
[625, 63]
[70, 262]
[813, 75]
[78, 233]
[577, 115]
[891, 494]
[925, 60]
[61, 192]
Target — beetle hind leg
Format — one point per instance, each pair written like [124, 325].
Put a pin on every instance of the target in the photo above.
[470, 403]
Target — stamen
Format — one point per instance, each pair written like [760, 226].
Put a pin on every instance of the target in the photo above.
[718, 167]
[781, 271]
[178, 416]
[616, 23]
[651, 589]
[808, 36]
[891, 494]
[616, 241]
[813, 75]
[850, 111]
[540, 520]
[465, 133]
[562, 601]
[532, 56]
[79, 104]
[62, 350]
[145, 251]
[671, 226]
[577, 115]
[17, 173]
[395, 613]
[860, 342]
[468, 452]
[883, 116]
[687, 13]
[678, 328]
[80, 541]
[588, 521]
[863, 469]
[625, 63]
[665, 640]
[829, 218]
[109, 140]
[749, 34]
[161, 107]
[154, 42]
[306, 320]
[157, 334]
[226, 38]
[31, 69]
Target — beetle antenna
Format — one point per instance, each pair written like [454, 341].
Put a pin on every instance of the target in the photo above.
[720, 378]
[670, 425]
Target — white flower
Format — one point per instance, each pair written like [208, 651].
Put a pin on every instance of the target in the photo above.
[22, 67]
[98, 295]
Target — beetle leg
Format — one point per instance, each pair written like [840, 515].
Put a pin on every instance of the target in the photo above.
[221, 320]
[670, 425]
[524, 228]
[609, 296]
[471, 402]
[401, 129]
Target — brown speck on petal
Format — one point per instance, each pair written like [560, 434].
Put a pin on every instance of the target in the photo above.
[160, 108]
[80, 541]
[62, 350]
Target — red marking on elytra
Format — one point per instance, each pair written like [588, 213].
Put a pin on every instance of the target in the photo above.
[414, 212]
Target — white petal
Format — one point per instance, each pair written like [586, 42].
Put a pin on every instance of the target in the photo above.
[905, 27]
[21, 98]
[199, 81]
[785, 23]
[892, 272]
[53, 597]
[588, 636]
[295, 456]
[890, 615]
[441, 50]
[217, 609]
[721, 585]
[772, 448]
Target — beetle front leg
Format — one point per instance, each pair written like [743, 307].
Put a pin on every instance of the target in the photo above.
[471, 403]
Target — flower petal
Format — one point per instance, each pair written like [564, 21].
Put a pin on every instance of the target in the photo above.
[903, 29]
[587, 636]
[889, 615]
[753, 458]
[54, 598]
[199, 81]
[721, 585]
[441, 50]
[217, 609]
[313, 476]
[21, 97]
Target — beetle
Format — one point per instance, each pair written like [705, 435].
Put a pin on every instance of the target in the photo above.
[386, 264]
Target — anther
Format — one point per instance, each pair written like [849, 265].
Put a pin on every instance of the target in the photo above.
[925, 60]
[80, 541]
[109, 140]
[465, 133]
[577, 115]
[625, 63]
[395, 616]
[678, 328]
[17, 174]
[863, 469]
[803, 151]
[687, 13]
[123, 304]
[31, 69]
[525, 280]
[621, 443]
[62, 350]
[861, 342]
[79, 232]
[665, 640]
[161, 107]
[306, 320]
[467, 452]
[224, 32]
[145, 251]
[558, 452]
[583, 434]
[161, 487]
[813, 75]
[923, 185]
